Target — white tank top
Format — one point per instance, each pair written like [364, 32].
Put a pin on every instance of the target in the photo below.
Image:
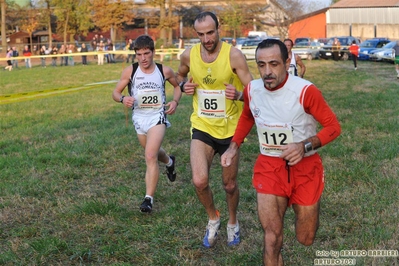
[279, 115]
[293, 70]
[148, 91]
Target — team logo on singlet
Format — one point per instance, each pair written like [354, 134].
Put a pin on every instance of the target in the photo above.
[208, 80]
[256, 112]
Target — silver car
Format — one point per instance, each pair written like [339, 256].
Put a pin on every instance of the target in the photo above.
[307, 51]
[386, 53]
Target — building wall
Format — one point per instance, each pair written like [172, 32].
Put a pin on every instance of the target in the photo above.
[370, 15]
[364, 31]
[313, 27]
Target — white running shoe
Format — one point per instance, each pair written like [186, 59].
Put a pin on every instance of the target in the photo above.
[233, 235]
[211, 234]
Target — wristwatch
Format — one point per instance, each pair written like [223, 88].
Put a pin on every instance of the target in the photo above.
[121, 99]
[308, 146]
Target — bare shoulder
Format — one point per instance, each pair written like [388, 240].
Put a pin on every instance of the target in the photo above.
[237, 58]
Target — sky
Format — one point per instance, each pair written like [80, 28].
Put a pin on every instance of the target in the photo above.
[313, 5]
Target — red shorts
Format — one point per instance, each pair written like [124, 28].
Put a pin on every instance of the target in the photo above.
[302, 184]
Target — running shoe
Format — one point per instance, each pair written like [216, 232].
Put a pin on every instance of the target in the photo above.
[146, 206]
[233, 235]
[211, 234]
[170, 171]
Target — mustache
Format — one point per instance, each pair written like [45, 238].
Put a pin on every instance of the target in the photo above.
[271, 76]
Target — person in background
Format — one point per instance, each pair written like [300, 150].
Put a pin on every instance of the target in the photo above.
[100, 55]
[27, 52]
[295, 60]
[354, 50]
[396, 50]
[218, 75]
[336, 47]
[43, 51]
[130, 48]
[84, 49]
[110, 49]
[233, 42]
[54, 51]
[146, 82]
[9, 56]
[71, 50]
[15, 54]
[287, 111]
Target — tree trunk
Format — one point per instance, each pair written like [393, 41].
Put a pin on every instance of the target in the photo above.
[66, 28]
[170, 30]
[162, 17]
[50, 33]
[113, 34]
[3, 26]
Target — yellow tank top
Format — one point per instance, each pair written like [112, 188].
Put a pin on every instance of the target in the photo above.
[212, 112]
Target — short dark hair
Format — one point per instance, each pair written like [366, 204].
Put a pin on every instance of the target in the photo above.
[270, 43]
[144, 42]
[201, 17]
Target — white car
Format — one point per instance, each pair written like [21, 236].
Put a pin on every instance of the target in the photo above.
[248, 48]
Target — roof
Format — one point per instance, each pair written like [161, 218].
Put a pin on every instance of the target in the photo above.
[366, 3]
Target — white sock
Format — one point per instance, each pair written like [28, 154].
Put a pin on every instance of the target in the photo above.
[169, 164]
[152, 199]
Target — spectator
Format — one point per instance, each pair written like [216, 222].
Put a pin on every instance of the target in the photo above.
[9, 56]
[336, 47]
[15, 54]
[130, 48]
[233, 42]
[43, 51]
[27, 52]
[94, 44]
[54, 51]
[84, 49]
[71, 50]
[100, 56]
[354, 50]
[62, 51]
[110, 49]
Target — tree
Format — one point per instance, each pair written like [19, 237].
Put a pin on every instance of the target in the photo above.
[111, 16]
[72, 17]
[30, 23]
[232, 17]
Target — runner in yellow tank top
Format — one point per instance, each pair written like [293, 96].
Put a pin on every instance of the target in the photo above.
[213, 112]
[218, 74]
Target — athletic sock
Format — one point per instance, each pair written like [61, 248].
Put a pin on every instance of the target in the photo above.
[152, 199]
[169, 164]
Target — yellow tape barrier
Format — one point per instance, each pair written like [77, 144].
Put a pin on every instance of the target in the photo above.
[26, 96]
[157, 52]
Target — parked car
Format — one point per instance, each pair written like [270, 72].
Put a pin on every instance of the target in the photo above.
[385, 53]
[371, 44]
[303, 39]
[248, 47]
[344, 54]
[306, 50]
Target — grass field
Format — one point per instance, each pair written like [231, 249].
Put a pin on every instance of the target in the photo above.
[71, 175]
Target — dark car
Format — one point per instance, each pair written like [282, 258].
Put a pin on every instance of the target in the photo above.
[303, 40]
[344, 54]
[369, 45]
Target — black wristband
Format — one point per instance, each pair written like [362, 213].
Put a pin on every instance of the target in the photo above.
[181, 85]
